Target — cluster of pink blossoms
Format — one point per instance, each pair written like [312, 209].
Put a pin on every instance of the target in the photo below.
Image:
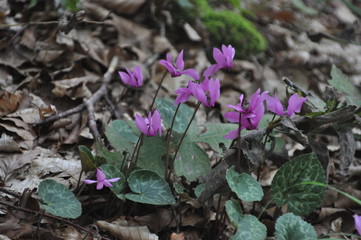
[247, 113]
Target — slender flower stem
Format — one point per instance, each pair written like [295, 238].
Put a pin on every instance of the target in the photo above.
[168, 137]
[137, 145]
[239, 142]
[125, 89]
[183, 136]
[156, 93]
[140, 144]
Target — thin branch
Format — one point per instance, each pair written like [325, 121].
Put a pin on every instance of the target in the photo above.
[88, 104]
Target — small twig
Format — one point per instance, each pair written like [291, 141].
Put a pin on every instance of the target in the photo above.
[88, 104]
[51, 217]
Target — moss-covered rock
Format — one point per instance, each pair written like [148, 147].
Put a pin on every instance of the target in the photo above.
[226, 27]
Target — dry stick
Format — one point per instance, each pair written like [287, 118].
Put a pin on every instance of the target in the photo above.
[51, 217]
[89, 102]
[156, 93]
[168, 137]
[183, 136]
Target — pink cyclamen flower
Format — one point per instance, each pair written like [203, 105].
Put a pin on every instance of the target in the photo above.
[134, 79]
[294, 104]
[150, 126]
[252, 113]
[207, 92]
[101, 180]
[178, 69]
[357, 223]
[223, 59]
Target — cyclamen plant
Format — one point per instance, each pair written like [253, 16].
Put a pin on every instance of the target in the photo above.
[150, 186]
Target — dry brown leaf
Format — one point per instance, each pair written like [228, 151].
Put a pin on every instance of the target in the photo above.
[26, 134]
[345, 202]
[156, 221]
[67, 86]
[7, 144]
[28, 169]
[8, 102]
[10, 164]
[118, 229]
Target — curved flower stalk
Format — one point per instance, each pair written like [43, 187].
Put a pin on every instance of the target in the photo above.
[133, 78]
[223, 59]
[295, 103]
[101, 180]
[150, 126]
[207, 92]
[178, 69]
[252, 113]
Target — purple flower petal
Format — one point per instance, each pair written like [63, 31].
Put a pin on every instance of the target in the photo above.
[210, 71]
[169, 66]
[107, 183]
[179, 62]
[100, 175]
[114, 179]
[100, 185]
[192, 73]
[198, 93]
[357, 223]
[157, 122]
[88, 181]
[295, 104]
[232, 116]
[124, 77]
[141, 124]
[183, 95]
[232, 134]
[274, 105]
[214, 91]
[219, 57]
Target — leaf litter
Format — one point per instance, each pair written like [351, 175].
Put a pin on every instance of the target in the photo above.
[49, 68]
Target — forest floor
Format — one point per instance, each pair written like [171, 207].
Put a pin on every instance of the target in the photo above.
[54, 60]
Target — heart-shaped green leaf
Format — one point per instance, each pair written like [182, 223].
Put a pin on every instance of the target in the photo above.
[121, 136]
[192, 161]
[250, 228]
[343, 84]
[151, 153]
[167, 109]
[288, 188]
[86, 159]
[111, 171]
[148, 187]
[290, 227]
[213, 136]
[244, 185]
[58, 200]
[234, 211]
